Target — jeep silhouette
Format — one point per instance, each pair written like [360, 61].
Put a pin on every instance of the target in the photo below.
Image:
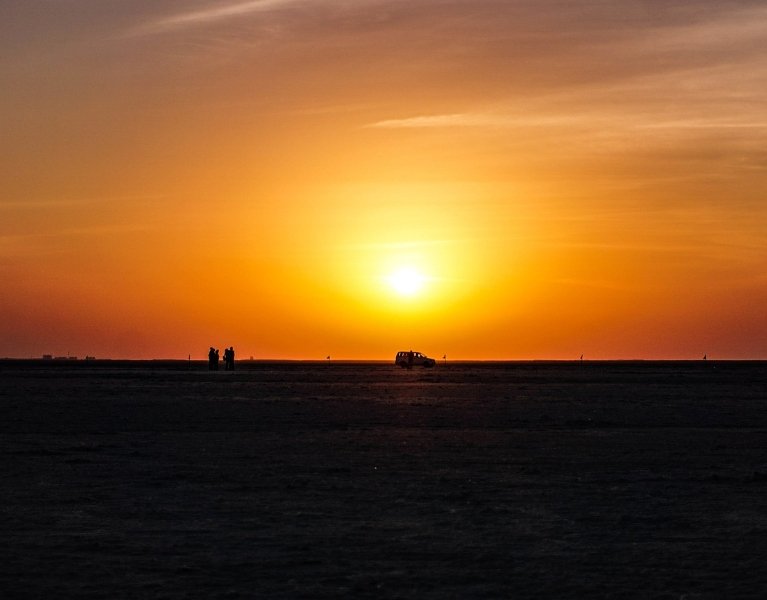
[410, 359]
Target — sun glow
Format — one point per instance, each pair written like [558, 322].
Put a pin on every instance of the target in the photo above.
[406, 281]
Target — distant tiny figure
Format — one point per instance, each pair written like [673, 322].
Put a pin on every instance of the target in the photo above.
[212, 359]
[705, 357]
[229, 358]
[215, 360]
[410, 360]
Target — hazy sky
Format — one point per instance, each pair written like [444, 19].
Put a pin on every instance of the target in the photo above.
[302, 178]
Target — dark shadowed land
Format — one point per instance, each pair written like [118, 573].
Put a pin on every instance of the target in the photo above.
[481, 480]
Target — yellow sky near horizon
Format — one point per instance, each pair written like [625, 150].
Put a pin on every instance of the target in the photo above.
[562, 178]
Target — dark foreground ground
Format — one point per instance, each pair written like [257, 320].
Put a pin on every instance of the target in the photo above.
[518, 480]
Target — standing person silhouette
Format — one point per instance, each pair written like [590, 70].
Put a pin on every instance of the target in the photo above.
[215, 360]
[212, 358]
[229, 358]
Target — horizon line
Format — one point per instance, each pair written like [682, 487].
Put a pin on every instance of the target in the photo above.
[442, 361]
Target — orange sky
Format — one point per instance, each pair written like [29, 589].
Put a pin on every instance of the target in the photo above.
[560, 178]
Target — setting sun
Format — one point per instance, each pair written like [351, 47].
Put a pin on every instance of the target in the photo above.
[406, 281]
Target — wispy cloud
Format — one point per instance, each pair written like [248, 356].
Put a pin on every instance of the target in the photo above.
[411, 245]
[450, 120]
[212, 14]
[472, 120]
[64, 203]
[607, 118]
[703, 124]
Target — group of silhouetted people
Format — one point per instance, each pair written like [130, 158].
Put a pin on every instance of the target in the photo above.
[213, 357]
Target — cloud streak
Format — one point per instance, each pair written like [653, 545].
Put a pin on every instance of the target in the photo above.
[501, 121]
[434, 121]
[477, 119]
[213, 14]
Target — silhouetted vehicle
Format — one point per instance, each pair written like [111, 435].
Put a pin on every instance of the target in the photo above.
[407, 359]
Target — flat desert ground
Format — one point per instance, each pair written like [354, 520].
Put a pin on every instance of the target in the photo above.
[326, 480]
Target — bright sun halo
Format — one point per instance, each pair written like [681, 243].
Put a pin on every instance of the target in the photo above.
[406, 281]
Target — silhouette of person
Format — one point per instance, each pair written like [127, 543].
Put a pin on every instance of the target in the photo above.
[229, 358]
[212, 358]
[215, 360]
[410, 360]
